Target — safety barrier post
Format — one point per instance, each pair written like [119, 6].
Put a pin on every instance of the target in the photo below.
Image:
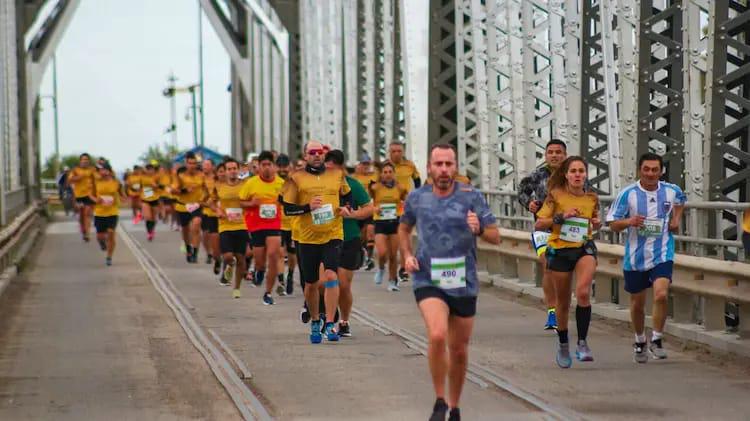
[682, 307]
[713, 313]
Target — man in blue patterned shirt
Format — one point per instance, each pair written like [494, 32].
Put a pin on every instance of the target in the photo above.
[449, 217]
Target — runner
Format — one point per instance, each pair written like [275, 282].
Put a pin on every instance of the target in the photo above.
[283, 169]
[365, 174]
[651, 211]
[190, 189]
[388, 197]
[167, 199]
[233, 237]
[316, 195]
[81, 179]
[573, 214]
[209, 221]
[107, 194]
[407, 176]
[133, 185]
[149, 198]
[351, 250]
[449, 216]
[532, 191]
[260, 198]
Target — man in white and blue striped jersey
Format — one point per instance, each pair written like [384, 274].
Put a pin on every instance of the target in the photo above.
[650, 210]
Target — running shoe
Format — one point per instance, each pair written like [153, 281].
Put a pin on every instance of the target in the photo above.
[657, 350]
[304, 314]
[454, 415]
[85, 238]
[102, 245]
[236, 293]
[217, 266]
[370, 264]
[403, 275]
[281, 287]
[439, 410]
[138, 218]
[258, 280]
[583, 352]
[551, 320]
[639, 353]
[393, 286]
[315, 336]
[345, 330]
[379, 276]
[223, 282]
[562, 357]
[331, 334]
[209, 259]
[249, 276]
[228, 273]
[150, 236]
[267, 299]
[108, 261]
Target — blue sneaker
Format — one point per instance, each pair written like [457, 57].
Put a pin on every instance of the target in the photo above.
[562, 357]
[551, 320]
[331, 333]
[108, 261]
[315, 336]
[379, 276]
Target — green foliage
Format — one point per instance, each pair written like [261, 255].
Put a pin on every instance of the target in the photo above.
[48, 169]
[163, 154]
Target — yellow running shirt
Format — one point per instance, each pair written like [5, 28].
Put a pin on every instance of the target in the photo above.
[109, 192]
[388, 199]
[323, 224]
[227, 198]
[194, 192]
[149, 187]
[83, 187]
[210, 186]
[560, 201]
[406, 173]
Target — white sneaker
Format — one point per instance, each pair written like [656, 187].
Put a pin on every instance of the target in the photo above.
[393, 286]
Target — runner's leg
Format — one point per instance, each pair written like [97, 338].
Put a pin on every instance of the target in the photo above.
[435, 315]
[459, 333]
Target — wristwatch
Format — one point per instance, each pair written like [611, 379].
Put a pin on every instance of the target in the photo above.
[558, 219]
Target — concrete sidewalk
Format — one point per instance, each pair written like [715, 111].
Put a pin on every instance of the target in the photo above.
[79, 340]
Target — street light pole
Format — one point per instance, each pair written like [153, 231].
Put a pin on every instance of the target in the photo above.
[173, 108]
[57, 121]
[195, 116]
[200, 71]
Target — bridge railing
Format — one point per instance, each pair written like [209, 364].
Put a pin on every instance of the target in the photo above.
[705, 279]
[17, 236]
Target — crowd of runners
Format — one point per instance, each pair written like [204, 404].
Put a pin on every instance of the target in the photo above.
[265, 220]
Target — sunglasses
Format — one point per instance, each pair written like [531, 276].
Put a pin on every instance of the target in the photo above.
[315, 151]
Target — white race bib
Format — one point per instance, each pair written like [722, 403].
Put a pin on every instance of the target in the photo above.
[268, 211]
[148, 192]
[388, 211]
[192, 207]
[574, 230]
[652, 227]
[539, 239]
[107, 200]
[448, 272]
[234, 214]
[323, 215]
[136, 186]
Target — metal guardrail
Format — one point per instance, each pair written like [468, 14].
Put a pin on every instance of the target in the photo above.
[704, 231]
[700, 290]
[12, 236]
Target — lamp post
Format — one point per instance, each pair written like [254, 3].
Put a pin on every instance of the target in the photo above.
[200, 72]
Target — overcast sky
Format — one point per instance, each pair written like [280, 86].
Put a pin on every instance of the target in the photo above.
[112, 65]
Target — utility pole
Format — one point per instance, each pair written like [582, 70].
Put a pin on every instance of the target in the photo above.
[195, 116]
[200, 73]
[170, 93]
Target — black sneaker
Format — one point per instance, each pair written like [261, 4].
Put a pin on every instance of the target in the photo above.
[217, 266]
[345, 330]
[370, 265]
[304, 314]
[455, 415]
[403, 275]
[289, 283]
[102, 245]
[209, 259]
[439, 410]
[267, 299]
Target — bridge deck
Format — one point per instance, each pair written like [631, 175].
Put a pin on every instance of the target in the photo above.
[79, 339]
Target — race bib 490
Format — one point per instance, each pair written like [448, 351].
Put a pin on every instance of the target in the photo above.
[448, 272]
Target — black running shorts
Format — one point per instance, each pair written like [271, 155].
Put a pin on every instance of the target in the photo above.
[233, 241]
[286, 241]
[85, 200]
[258, 238]
[351, 254]
[105, 223]
[565, 259]
[210, 224]
[458, 306]
[310, 256]
[386, 227]
[186, 217]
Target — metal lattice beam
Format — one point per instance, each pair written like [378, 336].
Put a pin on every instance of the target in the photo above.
[442, 89]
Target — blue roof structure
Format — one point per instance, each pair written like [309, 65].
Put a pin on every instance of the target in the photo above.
[201, 152]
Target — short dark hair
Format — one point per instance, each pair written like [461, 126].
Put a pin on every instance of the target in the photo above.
[556, 142]
[150, 167]
[84, 155]
[336, 156]
[229, 161]
[220, 166]
[189, 155]
[398, 143]
[266, 156]
[442, 146]
[282, 160]
[387, 164]
[650, 156]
